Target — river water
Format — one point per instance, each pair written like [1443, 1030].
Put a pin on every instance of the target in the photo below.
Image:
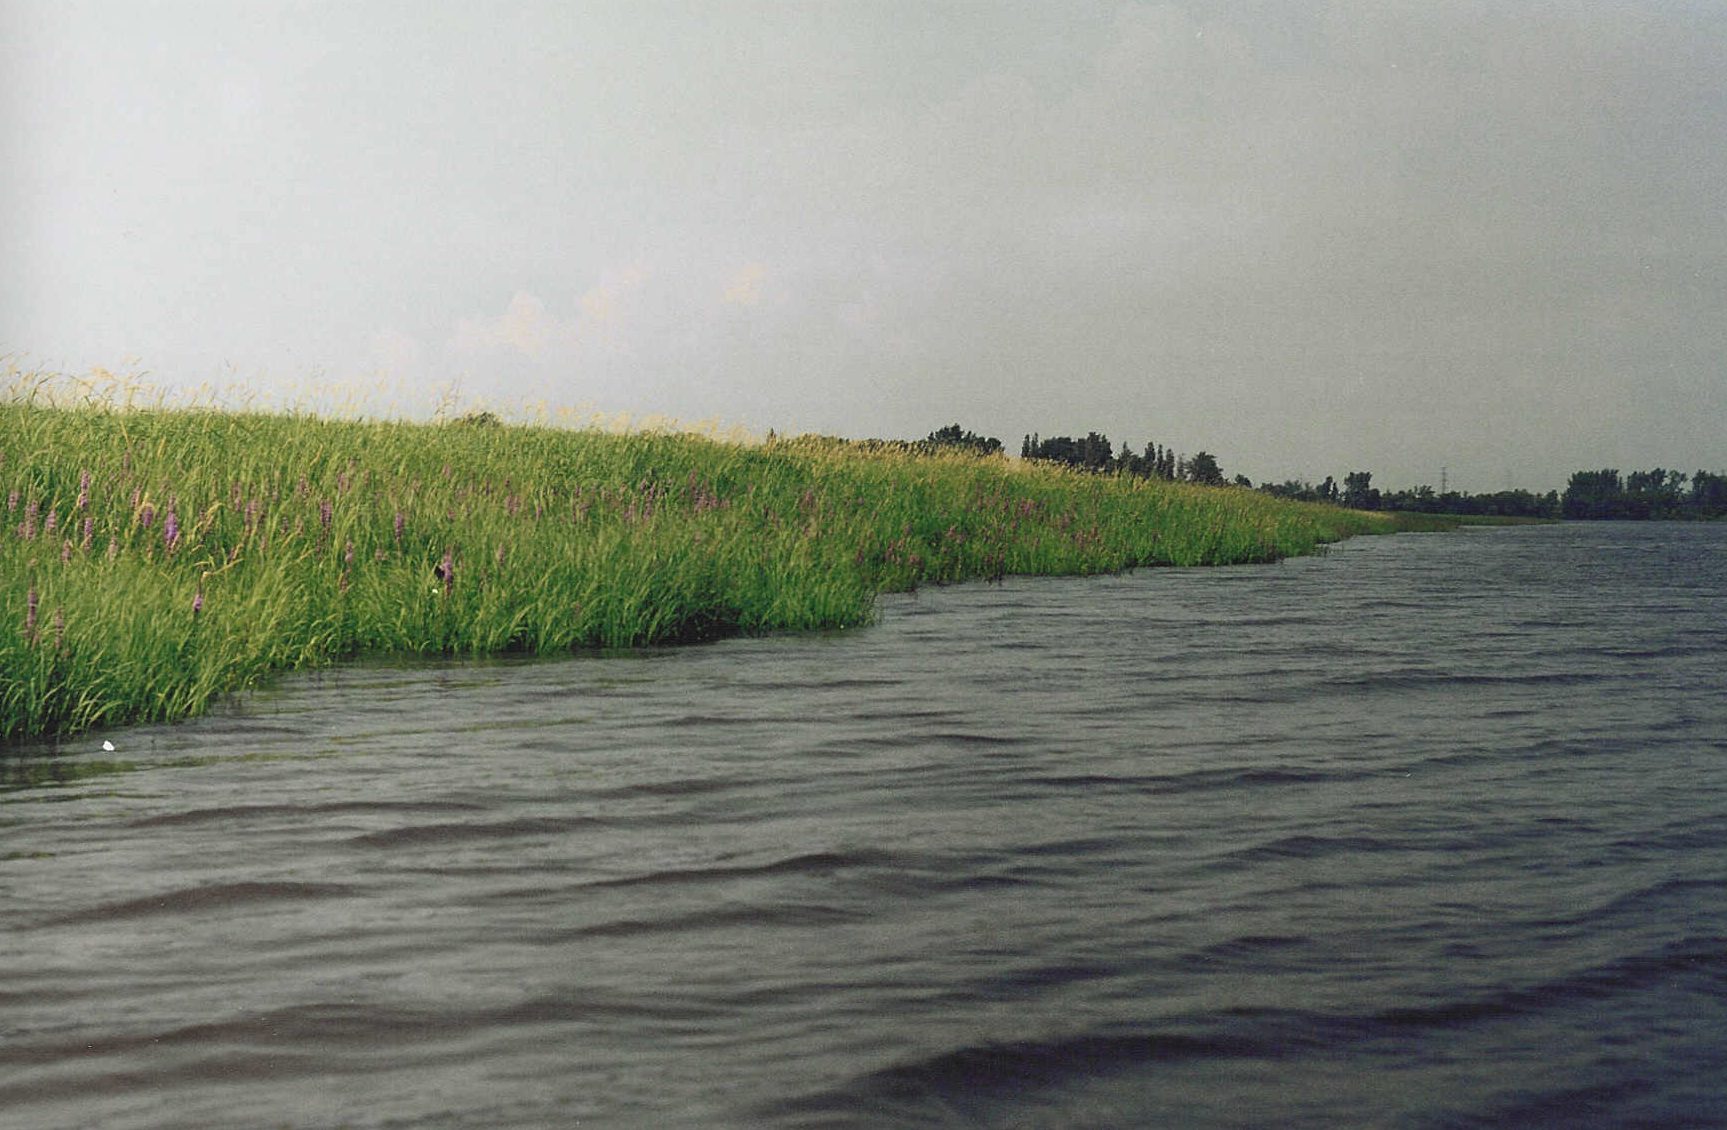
[1430, 831]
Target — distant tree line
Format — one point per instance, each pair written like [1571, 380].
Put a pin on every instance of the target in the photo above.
[1591, 495]
[1358, 493]
[1643, 495]
[1095, 453]
[1659, 493]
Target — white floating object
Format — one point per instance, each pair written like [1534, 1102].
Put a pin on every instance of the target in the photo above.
[107, 747]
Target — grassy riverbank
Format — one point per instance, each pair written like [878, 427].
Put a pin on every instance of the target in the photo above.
[151, 561]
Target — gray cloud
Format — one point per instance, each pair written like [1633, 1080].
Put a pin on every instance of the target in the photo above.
[1308, 237]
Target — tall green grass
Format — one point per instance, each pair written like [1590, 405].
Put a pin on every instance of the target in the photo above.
[153, 560]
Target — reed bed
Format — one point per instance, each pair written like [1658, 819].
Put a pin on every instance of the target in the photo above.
[153, 560]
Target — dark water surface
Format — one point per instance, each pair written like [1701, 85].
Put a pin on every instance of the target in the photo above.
[1431, 831]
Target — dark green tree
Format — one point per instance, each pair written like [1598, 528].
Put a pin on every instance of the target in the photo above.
[953, 437]
[1358, 492]
[1203, 469]
[1594, 495]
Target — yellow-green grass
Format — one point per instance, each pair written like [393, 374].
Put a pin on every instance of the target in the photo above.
[151, 561]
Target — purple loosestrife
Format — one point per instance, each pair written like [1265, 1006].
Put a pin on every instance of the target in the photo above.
[66, 551]
[27, 531]
[83, 491]
[401, 524]
[325, 512]
[171, 531]
[12, 501]
[198, 600]
[147, 516]
[49, 523]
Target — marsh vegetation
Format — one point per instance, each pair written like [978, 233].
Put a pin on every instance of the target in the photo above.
[152, 560]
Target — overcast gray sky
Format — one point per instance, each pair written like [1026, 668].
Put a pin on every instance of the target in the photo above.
[1308, 237]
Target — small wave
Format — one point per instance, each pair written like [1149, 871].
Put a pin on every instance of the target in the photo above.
[1082, 845]
[1206, 779]
[710, 721]
[249, 811]
[1636, 905]
[1703, 836]
[361, 1026]
[192, 900]
[1421, 680]
[1632, 973]
[966, 1081]
[812, 863]
[1248, 947]
[1311, 847]
[718, 918]
[968, 740]
[1597, 1105]
[694, 786]
[836, 684]
[417, 835]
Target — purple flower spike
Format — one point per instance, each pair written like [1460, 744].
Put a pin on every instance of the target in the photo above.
[401, 524]
[198, 601]
[171, 531]
[147, 516]
[83, 490]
